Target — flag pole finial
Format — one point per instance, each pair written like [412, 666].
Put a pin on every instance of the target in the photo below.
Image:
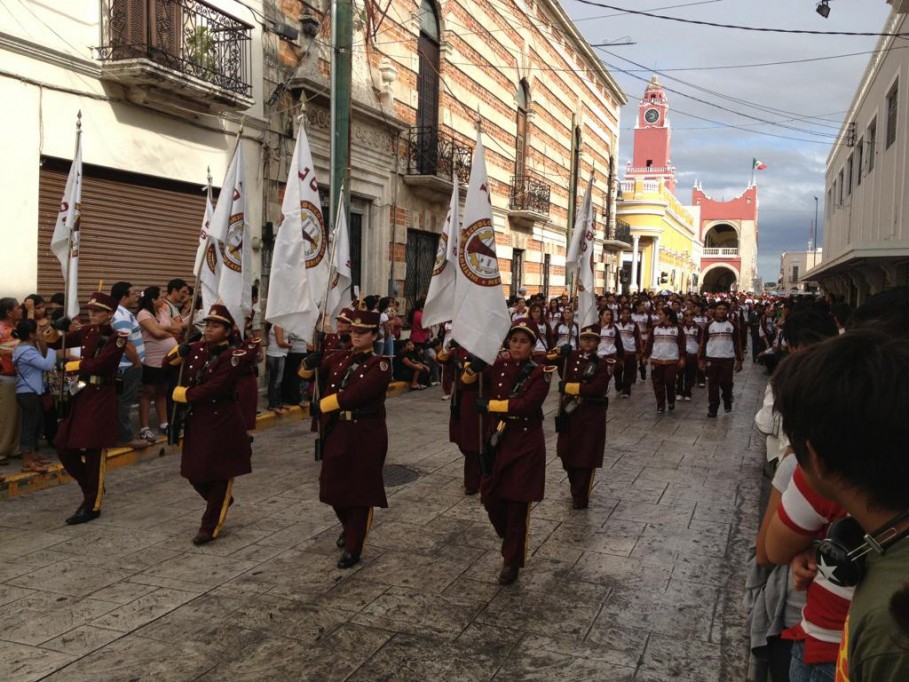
[479, 119]
[79, 120]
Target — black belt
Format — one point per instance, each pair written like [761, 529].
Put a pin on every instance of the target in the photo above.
[355, 415]
[95, 380]
[594, 401]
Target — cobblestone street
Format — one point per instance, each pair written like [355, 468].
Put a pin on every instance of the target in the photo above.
[644, 585]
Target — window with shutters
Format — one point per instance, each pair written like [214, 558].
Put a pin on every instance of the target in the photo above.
[428, 89]
[517, 270]
[871, 136]
[520, 142]
[892, 106]
[546, 263]
[859, 158]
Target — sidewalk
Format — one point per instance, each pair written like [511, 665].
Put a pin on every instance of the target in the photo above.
[644, 585]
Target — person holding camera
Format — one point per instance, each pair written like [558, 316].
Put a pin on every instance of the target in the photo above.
[513, 431]
[581, 421]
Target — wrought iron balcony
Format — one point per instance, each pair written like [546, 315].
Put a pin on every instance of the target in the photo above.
[432, 156]
[187, 47]
[622, 232]
[619, 238]
[530, 196]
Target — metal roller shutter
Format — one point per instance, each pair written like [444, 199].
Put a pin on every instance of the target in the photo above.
[136, 228]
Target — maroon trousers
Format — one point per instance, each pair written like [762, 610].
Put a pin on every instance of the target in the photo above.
[719, 377]
[663, 378]
[447, 378]
[471, 471]
[581, 481]
[688, 376]
[87, 467]
[626, 372]
[511, 521]
[217, 496]
[356, 522]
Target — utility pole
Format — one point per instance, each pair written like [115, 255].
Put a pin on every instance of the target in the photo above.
[342, 48]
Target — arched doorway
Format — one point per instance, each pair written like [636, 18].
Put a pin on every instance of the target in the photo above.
[718, 279]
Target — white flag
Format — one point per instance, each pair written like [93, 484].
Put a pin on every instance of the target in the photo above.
[208, 260]
[441, 298]
[480, 321]
[300, 257]
[580, 260]
[229, 227]
[339, 295]
[65, 240]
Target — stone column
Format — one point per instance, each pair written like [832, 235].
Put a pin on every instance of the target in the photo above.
[633, 287]
[655, 265]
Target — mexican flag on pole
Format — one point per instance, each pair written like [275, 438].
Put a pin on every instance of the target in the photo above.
[299, 267]
[65, 240]
[580, 260]
[758, 165]
[229, 227]
[480, 321]
[440, 301]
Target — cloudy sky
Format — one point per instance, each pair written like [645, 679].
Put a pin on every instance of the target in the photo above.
[810, 96]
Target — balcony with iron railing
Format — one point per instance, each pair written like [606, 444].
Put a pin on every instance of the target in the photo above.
[187, 48]
[720, 252]
[433, 156]
[529, 201]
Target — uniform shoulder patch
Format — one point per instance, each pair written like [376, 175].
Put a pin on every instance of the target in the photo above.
[383, 365]
[121, 340]
[235, 359]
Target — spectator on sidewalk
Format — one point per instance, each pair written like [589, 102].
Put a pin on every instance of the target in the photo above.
[291, 383]
[178, 294]
[410, 367]
[130, 370]
[418, 334]
[844, 405]
[32, 359]
[158, 334]
[10, 314]
[275, 356]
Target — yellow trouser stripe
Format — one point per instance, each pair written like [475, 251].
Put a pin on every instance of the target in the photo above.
[368, 526]
[224, 505]
[102, 469]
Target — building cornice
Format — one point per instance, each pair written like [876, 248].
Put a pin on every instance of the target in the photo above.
[39, 52]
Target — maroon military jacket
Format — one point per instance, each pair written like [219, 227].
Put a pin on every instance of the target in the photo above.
[519, 468]
[583, 443]
[355, 438]
[215, 444]
[92, 420]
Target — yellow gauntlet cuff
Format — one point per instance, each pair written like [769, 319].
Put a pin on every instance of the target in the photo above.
[72, 366]
[573, 389]
[329, 403]
[469, 378]
[179, 395]
[498, 406]
[304, 373]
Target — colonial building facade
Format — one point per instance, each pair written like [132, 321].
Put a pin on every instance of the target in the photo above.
[162, 86]
[729, 232]
[794, 265]
[425, 73]
[666, 244]
[866, 239]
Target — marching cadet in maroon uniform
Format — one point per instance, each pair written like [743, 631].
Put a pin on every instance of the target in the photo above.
[339, 340]
[91, 424]
[216, 448]
[719, 354]
[632, 346]
[666, 351]
[515, 389]
[464, 422]
[355, 438]
[581, 423]
[692, 342]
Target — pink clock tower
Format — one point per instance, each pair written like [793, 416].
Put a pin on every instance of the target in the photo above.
[652, 137]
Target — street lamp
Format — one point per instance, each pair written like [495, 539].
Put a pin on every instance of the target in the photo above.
[823, 9]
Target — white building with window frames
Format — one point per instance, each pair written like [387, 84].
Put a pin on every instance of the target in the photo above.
[866, 214]
[162, 86]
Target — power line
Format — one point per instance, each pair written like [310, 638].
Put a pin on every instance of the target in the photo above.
[739, 27]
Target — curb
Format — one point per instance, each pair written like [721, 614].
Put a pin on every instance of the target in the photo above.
[22, 483]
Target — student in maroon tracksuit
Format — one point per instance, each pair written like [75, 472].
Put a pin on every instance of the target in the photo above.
[666, 352]
[514, 399]
[719, 354]
[581, 423]
[633, 346]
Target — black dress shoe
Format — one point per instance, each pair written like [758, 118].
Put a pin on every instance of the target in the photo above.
[711, 414]
[340, 541]
[580, 504]
[348, 560]
[508, 575]
[671, 406]
[471, 491]
[82, 516]
[727, 407]
[202, 538]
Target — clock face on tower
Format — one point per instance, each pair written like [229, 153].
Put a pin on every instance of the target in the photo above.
[652, 115]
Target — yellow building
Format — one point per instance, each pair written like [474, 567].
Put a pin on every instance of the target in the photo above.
[666, 246]
[666, 251]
